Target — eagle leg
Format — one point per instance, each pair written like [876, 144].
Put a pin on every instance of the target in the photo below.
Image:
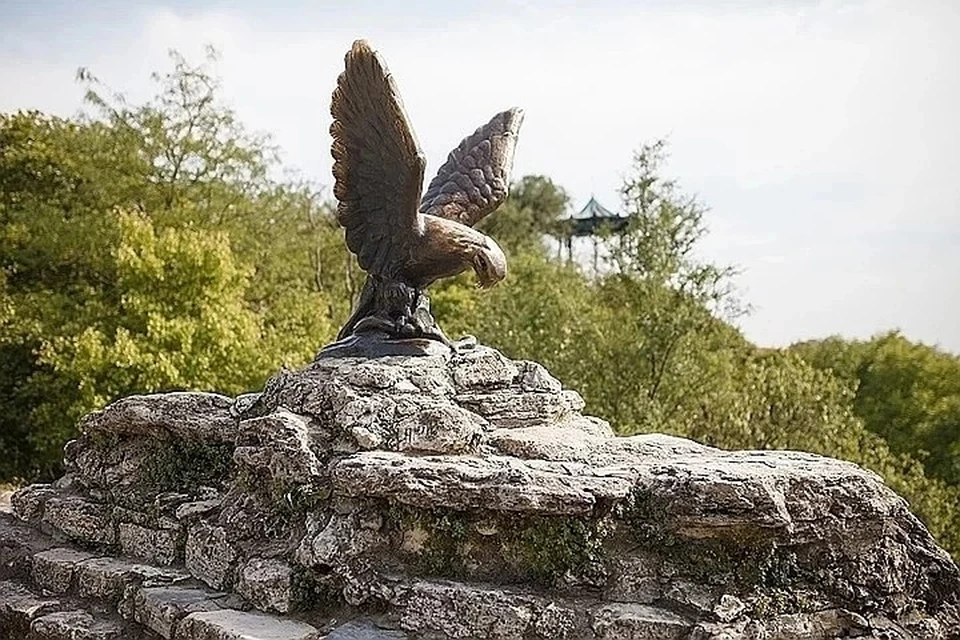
[394, 310]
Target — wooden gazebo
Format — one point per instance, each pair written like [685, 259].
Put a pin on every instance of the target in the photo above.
[590, 221]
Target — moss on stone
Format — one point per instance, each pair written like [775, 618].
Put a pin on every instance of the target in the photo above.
[185, 465]
[742, 557]
[446, 534]
[547, 549]
[512, 547]
[281, 496]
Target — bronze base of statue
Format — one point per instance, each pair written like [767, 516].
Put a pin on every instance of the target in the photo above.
[392, 318]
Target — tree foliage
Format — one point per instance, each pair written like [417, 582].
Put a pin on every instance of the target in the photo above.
[907, 393]
[144, 248]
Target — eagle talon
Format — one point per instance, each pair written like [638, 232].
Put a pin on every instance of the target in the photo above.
[466, 342]
[372, 324]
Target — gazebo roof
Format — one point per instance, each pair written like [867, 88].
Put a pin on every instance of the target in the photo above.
[594, 217]
[594, 209]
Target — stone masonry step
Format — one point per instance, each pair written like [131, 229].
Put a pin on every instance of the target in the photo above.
[28, 615]
[19, 607]
[54, 590]
[63, 592]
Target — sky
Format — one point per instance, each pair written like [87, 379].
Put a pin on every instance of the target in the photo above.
[823, 136]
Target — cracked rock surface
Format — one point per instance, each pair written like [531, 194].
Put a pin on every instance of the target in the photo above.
[451, 497]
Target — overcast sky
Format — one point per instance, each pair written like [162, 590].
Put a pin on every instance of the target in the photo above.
[824, 136]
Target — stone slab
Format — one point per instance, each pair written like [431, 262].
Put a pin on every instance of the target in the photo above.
[81, 519]
[365, 630]
[227, 624]
[182, 414]
[160, 609]
[462, 482]
[76, 625]
[53, 570]
[108, 578]
[630, 621]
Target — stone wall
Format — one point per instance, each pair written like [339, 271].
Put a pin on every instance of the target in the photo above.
[451, 497]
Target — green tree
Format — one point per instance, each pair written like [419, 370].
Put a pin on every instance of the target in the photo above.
[145, 248]
[908, 393]
[665, 306]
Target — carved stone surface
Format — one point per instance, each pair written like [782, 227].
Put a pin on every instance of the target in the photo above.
[461, 495]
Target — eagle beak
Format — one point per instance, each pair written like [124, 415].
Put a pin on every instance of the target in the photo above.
[490, 265]
[482, 269]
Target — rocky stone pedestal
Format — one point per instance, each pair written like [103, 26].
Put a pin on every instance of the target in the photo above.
[450, 497]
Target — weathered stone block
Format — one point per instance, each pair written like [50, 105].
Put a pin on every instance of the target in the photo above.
[693, 596]
[493, 482]
[509, 408]
[278, 444]
[464, 611]
[535, 377]
[109, 578]
[268, 584]
[227, 624]
[76, 625]
[485, 368]
[636, 578]
[28, 503]
[114, 466]
[555, 621]
[541, 442]
[410, 422]
[158, 546]
[53, 570]
[628, 621]
[161, 608]
[209, 557]
[80, 519]
[18, 607]
[184, 414]
[335, 541]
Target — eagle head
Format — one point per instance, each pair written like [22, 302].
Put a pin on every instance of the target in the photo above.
[489, 263]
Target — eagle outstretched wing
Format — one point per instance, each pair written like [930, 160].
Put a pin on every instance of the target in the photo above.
[475, 179]
[378, 165]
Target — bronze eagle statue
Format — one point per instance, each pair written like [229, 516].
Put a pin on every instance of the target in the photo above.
[404, 241]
